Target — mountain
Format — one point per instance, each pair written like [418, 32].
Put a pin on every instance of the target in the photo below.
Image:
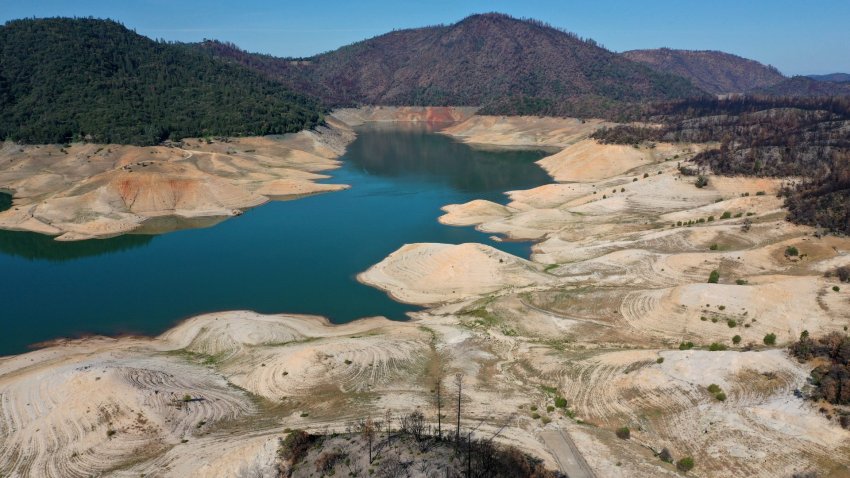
[505, 65]
[802, 86]
[714, 71]
[834, 77]
[63, 79]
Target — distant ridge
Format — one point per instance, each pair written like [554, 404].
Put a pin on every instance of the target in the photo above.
[505, 65]
[834, 77]
[805, 87]
[713, 71]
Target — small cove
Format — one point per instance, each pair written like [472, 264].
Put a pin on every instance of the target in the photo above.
[297, 256]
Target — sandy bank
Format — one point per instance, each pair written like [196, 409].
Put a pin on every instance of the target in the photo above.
[85, 191]
[526, 131]
[434, 273]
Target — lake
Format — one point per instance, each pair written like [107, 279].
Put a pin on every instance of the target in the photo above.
[297, 256]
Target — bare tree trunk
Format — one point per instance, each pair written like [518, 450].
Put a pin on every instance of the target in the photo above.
[469, 455]
[459, 383]
[439, 410]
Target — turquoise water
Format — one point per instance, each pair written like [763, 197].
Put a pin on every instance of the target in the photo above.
[295, 256]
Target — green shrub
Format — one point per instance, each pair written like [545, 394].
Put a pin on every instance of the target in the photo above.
[659, 360]
[550, 408]
[736, 339]
[714, 277]
[624, 433]
[686, 345]
[535, 415]
[792, 251]
[741, 282]
[836, 288]
[714, 388]
[560, 402]
[685, 465]
[732, 323]
[770, 339]
[713, 247]
[760, 193]
[715, 347]
[721, 396]
[726, 215]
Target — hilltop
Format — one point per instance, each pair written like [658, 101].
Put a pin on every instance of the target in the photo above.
[714, 71]
[65, 79]
[503, 64]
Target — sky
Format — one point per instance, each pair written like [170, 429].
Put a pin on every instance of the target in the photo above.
[798, 37]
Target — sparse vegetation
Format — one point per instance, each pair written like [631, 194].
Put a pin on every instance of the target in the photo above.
[685, 465]
[714, 277]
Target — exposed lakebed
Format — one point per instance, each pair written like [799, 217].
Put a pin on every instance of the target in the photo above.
[296, 256]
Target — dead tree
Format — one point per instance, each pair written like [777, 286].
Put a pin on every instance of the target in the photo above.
[367, 430]
[439, 408]
[388, 421]
[459, 384]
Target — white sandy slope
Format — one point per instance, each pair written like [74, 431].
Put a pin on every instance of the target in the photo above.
[432, 273]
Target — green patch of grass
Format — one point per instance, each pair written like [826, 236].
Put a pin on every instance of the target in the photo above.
[561, 402]
[548, 389]
[714, 277]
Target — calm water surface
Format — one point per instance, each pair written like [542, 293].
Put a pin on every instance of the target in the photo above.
[296, 256]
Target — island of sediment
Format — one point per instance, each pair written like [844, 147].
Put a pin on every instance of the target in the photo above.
[618, 279]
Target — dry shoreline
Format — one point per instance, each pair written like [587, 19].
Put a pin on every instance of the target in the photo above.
[596, 317]
[86, 191]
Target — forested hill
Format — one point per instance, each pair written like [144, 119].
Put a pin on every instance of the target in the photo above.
[713, 71]
[64, 79]
[505, 65]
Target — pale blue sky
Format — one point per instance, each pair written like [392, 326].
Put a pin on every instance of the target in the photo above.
[798, 37]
